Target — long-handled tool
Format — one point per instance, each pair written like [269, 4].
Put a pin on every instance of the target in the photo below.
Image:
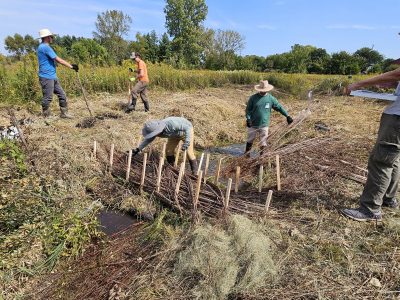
[84, 95]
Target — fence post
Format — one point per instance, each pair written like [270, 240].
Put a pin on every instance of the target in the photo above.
[128, 167]
[143, 171]
[278, 173]
[260, 178]
[217, 171]
[227, 195]
[200, 163]
[206, 167]
[237, 179]
[94, 150]
[268, 202]
[111, 156]
[160, 166]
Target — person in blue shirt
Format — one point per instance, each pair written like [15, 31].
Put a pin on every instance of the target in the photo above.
[49, 82]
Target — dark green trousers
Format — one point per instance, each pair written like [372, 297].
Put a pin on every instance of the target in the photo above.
[383, 165]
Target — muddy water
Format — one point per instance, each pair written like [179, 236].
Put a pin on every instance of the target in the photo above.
[233, 150]
[112, 221]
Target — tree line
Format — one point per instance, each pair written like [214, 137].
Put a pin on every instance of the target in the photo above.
[188, 44]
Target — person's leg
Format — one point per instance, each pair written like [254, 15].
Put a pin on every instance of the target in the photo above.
[47, 90]
[190, 154]
[143, 96]
[62, 99]
[134, 95]
[381, 165]
[172, 144]
[263, 138]
[389, 200]
[251, 135]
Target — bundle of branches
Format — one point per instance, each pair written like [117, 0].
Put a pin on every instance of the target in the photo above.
[210, 200]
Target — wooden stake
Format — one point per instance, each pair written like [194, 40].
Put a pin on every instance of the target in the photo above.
[278, 173]
[184, 160]
[111, 156]
[260, 178]
[237, 180]
[200, 163]
[94, 150]
[178, 183]
[217, 171]
[268, 201]
[227, 195]
[206, 167]
[128, 167]
[160, 166]
[139, 141]
[164, 147]
[143, 170]
[178, 152]
[198, 187]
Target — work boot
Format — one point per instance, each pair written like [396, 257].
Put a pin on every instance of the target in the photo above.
[193, 166]
[361, 214]
[146, 106]
[64, 113]
[130, 108]
[171, 159]
[248, 148]
[46, 112]
[390, 203]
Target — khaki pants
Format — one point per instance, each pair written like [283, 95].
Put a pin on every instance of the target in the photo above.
[252, 133]
[383, 165]
[173, 142]
[140, 89]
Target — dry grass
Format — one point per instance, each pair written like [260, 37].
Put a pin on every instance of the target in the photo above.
[321, 254]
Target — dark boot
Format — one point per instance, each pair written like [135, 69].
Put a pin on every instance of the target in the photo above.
[248, 148]
[64, 113]
[46, 112]
[132, 106]
[146, 106]
[171, 159]
[193, 166]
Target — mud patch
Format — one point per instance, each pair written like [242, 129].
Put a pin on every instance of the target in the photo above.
[91, 121]
[113, 221]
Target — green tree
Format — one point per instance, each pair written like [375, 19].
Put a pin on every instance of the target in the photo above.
[369, 59]
[344, 63]
[112, 26]
[184, 20]
[19, 45]
[89, 51]
[164, 48]
[319, 60]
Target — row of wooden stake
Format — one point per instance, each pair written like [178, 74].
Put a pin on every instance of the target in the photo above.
[200, 174]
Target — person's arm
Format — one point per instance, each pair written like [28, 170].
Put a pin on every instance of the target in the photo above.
[145, 142]
[63, 62]
[249, 108]
[278, 107]
[382, 79]
[188, 136]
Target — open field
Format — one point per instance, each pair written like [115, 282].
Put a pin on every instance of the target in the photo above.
[303, 249]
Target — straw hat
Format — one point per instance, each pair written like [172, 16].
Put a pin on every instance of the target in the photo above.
[45, 32]
[152, 128]
[134, 55]
[264, 86]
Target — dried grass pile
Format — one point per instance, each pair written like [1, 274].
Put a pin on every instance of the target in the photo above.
[222, 261]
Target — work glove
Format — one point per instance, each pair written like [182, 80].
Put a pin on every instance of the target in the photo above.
[248, 123]
[130, 69]
[184, 147]
[289, 120]
[75, 67]
[135, 151]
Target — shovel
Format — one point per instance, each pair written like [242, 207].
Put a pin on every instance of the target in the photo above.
[84, 95]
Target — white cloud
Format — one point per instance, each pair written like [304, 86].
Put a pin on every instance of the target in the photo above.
[354, 26]
[266, 27]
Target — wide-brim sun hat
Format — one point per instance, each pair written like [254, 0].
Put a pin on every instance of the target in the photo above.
[45, 32]
[133, 55]
[152, 128]
[264, 86]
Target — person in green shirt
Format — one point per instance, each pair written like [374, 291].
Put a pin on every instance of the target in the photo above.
[258, 113]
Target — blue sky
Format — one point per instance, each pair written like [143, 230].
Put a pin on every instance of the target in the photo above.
[269, 26]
